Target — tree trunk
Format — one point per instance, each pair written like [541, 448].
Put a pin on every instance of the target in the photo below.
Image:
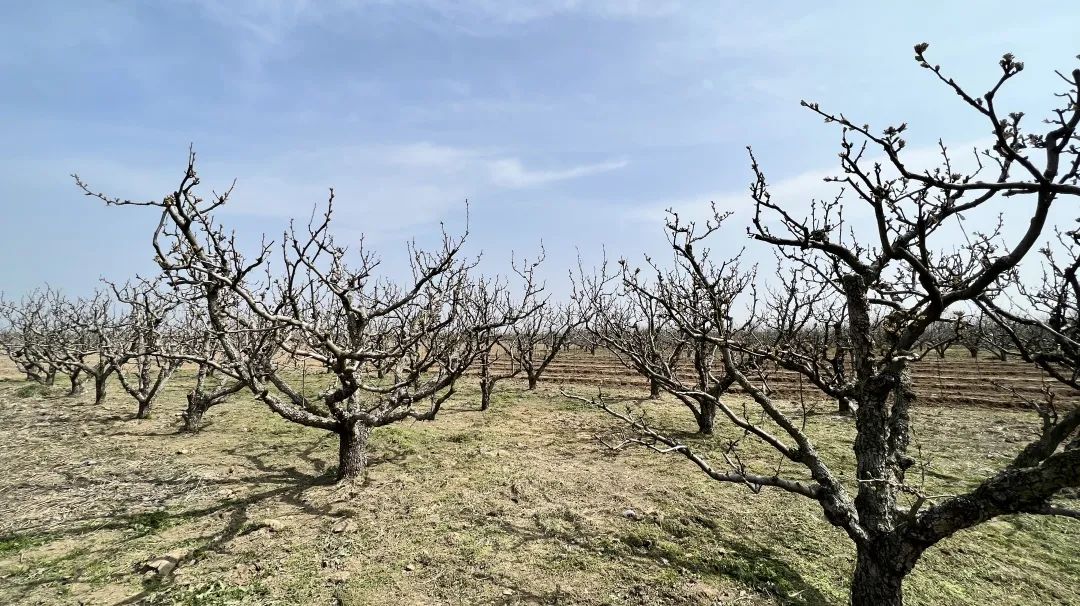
[352, 451]
[486, 386]
[845, 406]
[876, 582]
[654, 389]
[532, 381]
[144, 409]
[193, 414]
[77, 386]
[99, 388]
[50, 377]
[705, 417]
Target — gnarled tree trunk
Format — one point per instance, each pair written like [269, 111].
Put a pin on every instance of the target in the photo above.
[197, 406]
[878, 581]
[144, 409]
[76, 379]
[352, 450]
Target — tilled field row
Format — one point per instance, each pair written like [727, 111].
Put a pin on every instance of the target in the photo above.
[975, 382]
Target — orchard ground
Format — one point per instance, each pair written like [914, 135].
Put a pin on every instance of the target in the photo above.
[518, 505]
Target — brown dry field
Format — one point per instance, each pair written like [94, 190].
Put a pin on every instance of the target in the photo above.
[519, 505]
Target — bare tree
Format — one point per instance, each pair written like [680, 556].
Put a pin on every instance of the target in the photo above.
[198, 344]
[496, 343]
[34, 329]
[1041, 324]
[942, 335]
[903, 275]
[141, 351]
[801, 329]
[326, 306]
[648, 325]
[83, 349]
[536, 340]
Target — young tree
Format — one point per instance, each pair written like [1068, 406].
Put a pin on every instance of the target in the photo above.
[536, 340]
[493, 302]
[908, 271]
[141, 351]
[34, 329]
[325, 305]
[91, 325]
[209, 390]
[649, 325]
[488, 360]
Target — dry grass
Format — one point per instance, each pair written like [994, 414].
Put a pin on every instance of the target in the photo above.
[517, 505]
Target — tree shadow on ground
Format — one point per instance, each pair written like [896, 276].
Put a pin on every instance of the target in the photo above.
[748, 563]
[272, 482]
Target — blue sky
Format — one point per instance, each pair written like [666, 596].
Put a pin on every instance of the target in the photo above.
[571, 122]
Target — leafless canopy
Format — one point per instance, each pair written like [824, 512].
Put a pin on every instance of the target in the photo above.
[394, 350]
[890, 287]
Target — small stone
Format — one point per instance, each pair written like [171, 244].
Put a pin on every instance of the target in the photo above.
[410, 567]
[89, 462]
[273, 525]
[182, 452]
[508, 592]
[344, 526]
[631, 514]
[163, 566]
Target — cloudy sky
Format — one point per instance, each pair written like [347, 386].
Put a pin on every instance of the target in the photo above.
[575, 123]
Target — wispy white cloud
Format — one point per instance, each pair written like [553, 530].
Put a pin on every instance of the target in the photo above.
[379, 189]
[509, 172]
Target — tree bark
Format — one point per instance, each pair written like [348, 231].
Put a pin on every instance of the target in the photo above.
[144, 410]
[193, 414]
[654, 389]
[844, 406]
[486, 386]
[705, 417]
[99, 388]
[877, 581]
[76, 381]
[352, 451]
[532, 381]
